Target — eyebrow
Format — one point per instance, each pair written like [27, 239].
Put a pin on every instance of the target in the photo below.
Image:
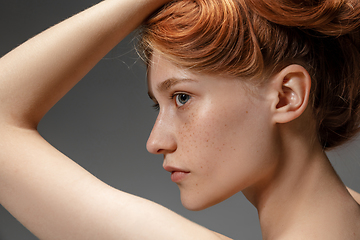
[169, 83]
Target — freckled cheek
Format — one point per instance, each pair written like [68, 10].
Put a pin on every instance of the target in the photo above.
[199, 142]
[189, 131]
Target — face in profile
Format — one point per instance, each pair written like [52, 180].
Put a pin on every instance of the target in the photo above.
[214, 133]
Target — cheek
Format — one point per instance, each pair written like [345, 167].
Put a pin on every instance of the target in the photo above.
[226, 148]
[209, 135]
[196, 136]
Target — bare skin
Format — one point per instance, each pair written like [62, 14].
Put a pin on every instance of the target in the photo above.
[355, 195]
[296, 191]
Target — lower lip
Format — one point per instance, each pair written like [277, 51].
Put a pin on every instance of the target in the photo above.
[178, 176]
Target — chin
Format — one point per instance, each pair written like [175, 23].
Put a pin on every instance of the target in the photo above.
[193, 207]
[197, 203]
[200, 200]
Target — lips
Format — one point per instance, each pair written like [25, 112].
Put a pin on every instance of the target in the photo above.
[177, 174]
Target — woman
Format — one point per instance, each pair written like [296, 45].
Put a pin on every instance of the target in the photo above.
[234, 124]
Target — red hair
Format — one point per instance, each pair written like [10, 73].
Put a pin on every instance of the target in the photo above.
[255, 38]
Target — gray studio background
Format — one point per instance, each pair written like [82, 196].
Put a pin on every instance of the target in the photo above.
[104, 122]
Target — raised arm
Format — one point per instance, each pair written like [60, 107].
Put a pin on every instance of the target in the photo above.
[46, 191]
[64, 54]
[355, 195]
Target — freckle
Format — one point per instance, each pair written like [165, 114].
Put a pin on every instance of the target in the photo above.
[207, 140]
[225, 125]
[247, 112]
[207, 146]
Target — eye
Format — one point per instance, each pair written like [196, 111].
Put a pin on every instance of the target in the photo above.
[181, 99]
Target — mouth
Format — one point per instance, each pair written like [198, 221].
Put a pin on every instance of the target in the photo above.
[177, 177]
[177, 174]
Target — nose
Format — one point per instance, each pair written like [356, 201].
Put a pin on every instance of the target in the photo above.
[161, 139]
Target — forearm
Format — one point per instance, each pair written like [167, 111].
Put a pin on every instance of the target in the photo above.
[34, 76]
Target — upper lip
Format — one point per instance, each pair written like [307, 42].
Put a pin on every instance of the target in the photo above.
[174, 169]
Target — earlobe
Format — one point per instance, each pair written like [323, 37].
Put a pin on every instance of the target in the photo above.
[291, 87]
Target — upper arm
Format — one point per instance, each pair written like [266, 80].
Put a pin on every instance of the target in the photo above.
[222, 236]
[355, 195]
[57, 199]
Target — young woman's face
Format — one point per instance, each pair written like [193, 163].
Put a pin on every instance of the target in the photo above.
[214, 134]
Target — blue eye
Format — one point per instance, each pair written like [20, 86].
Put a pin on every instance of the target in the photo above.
[181, 99]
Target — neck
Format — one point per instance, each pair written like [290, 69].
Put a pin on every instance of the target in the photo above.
[304, 197]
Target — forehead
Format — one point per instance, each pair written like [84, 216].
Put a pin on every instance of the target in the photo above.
[161, 69]
[162, 74]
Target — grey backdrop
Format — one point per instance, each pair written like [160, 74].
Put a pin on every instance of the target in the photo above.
[104, 122]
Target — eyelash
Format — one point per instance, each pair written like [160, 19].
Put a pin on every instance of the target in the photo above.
[156, 106]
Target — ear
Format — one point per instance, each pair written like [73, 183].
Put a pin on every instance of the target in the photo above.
[291, 91]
